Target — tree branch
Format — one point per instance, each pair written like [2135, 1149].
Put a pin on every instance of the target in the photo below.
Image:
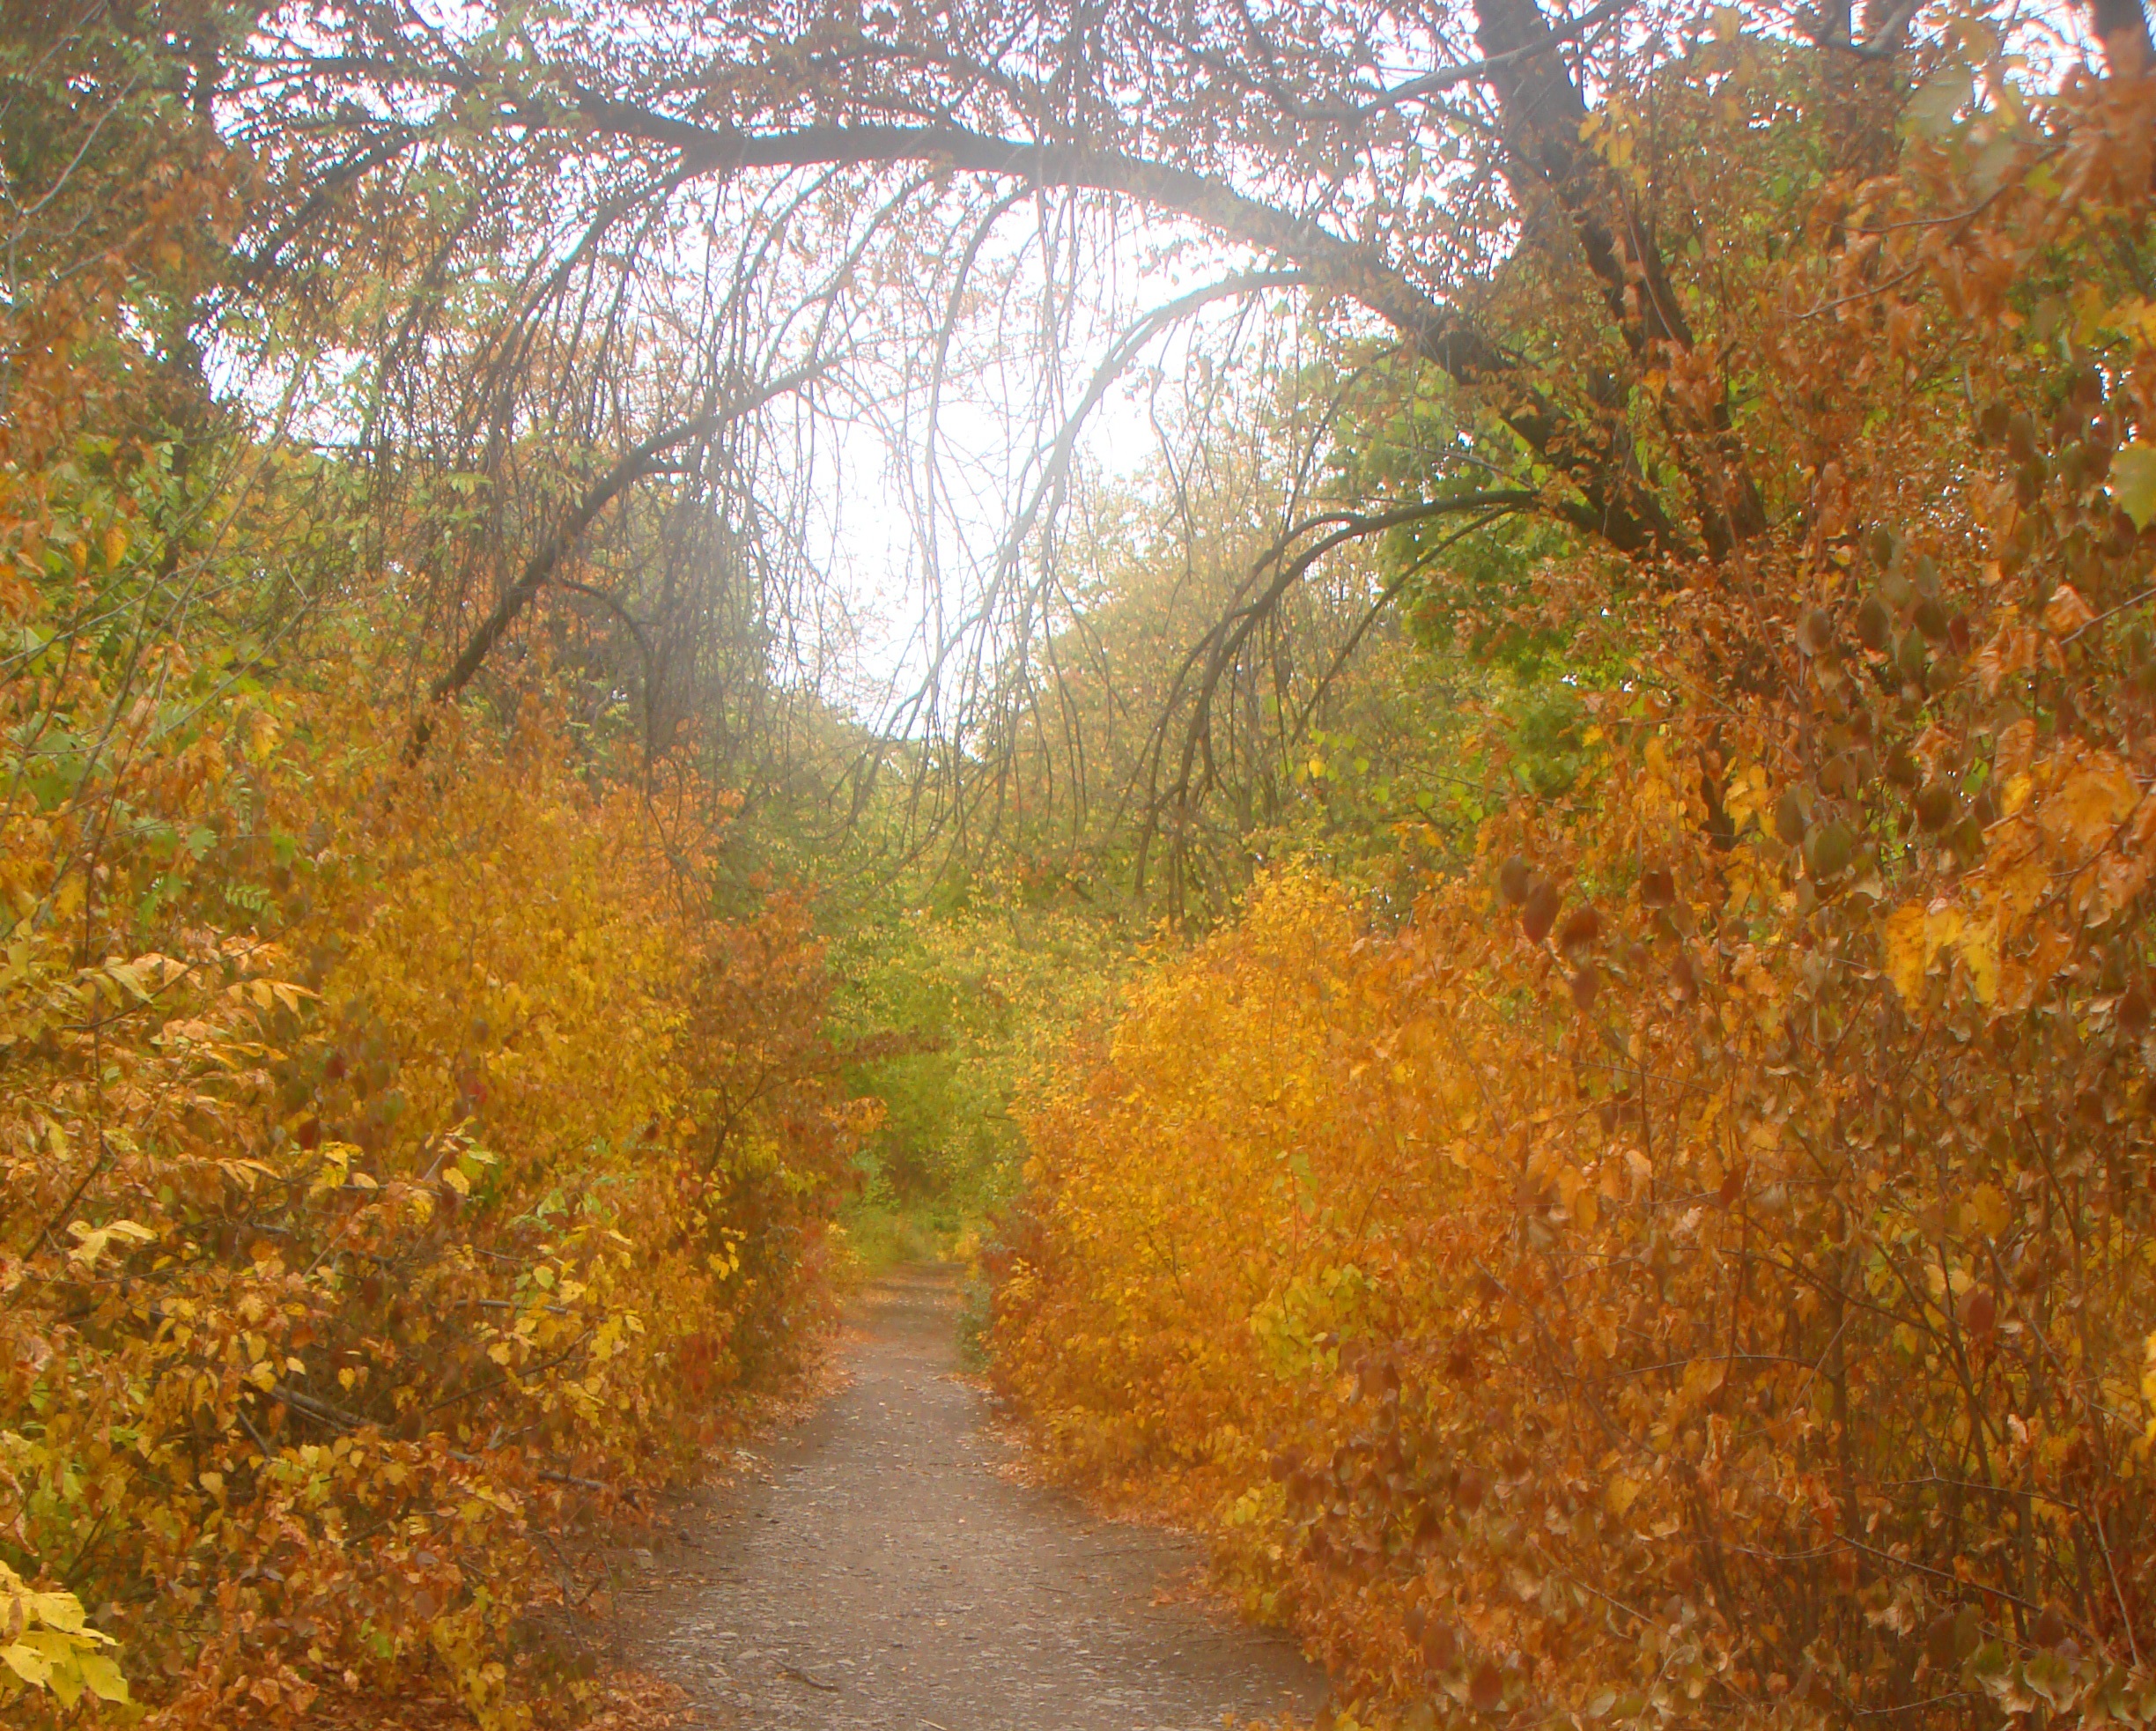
[1449, 77]
[546, 558]
[1617, 507]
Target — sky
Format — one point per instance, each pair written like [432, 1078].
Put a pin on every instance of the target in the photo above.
[994, 431]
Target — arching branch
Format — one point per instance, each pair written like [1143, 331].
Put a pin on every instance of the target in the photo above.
[1218, 649]
[542, 566]
[1615, 505]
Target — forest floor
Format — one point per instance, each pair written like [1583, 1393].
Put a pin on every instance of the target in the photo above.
[880, 1565]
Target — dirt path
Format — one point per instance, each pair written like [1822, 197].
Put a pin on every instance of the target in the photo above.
[877, 1573]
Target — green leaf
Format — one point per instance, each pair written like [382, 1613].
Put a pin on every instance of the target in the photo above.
[2133, 481]
[1930, 111]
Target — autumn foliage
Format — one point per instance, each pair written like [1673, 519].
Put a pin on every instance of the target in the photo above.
[350, 1243]
[1699, 1262]
[403, 1161]
[1672, 1240]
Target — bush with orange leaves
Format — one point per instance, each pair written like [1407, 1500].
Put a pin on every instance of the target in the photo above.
[1702, 1266]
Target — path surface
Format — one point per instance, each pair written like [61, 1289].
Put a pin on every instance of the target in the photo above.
[875, 1571]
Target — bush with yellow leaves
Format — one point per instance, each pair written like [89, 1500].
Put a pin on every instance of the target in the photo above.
[399, 1157]
[47, 1643]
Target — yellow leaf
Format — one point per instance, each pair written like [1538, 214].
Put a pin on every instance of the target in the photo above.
[1585, 1209]
[33, 1666]
[1915, 936]
[103, 1677]
[1980, 954]
[64, 1675]
[92, 1242]
[1906, 955]
[63, 1611]
[1986, 1210]
[2019, 886]
[2094, 800]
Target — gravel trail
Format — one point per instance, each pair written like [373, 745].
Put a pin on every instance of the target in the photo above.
[875, 1571]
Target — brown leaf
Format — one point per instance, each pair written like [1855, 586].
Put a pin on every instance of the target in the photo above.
[2066, 613]
[1789, 818]
[1540, 912]
[1583, 986]
[1580, 927]
[1486, 1689]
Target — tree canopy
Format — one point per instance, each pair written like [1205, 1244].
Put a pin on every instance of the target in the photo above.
[622, 618]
